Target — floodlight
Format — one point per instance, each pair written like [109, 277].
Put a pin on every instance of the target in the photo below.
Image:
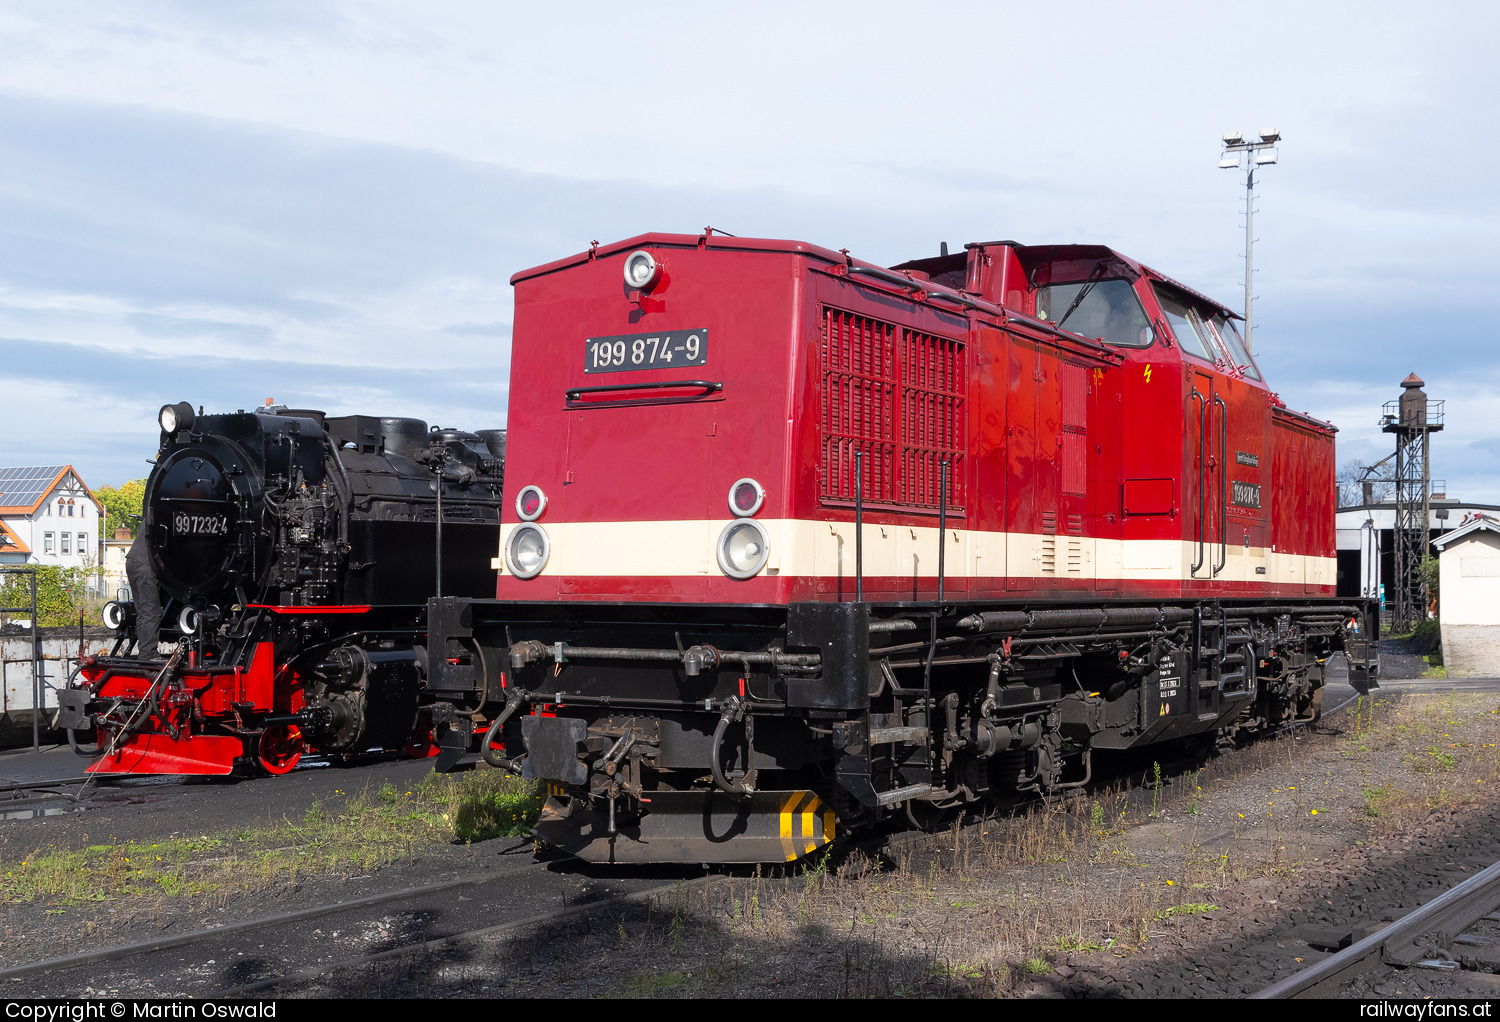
[1229, 163]
[1265, 156]
[1233, 138]
[1270, 135]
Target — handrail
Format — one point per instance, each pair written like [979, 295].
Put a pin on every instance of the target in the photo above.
[574, 395]
[1202, 443]
[1223, 483]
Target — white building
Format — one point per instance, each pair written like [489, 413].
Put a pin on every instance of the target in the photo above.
[1469, 580]
[1366, 541]
[116, 579]
[48, 516]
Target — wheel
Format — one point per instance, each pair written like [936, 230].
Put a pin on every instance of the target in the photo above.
[280, 748]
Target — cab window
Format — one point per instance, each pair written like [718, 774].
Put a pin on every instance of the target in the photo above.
[1224, 327]
[1185, 328]
[1105, 309]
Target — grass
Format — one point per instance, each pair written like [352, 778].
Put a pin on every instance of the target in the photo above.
[1012, 903]
[1445, 752]
[345, 834]
[488, 804]
[998, 906]
[1378, 801]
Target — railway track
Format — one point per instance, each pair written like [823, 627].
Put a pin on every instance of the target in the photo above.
[258, 953]
[261, 956]
[1459, 929]
[270, 953]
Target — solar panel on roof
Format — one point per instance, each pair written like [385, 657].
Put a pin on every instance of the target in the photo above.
[24, 486]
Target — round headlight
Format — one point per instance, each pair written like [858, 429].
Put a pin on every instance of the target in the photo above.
[188, 620]
[526, 551]
[641, 270]
[745, 497]
[743, 548]
[530, 503]
[171, 418]
[114, 615]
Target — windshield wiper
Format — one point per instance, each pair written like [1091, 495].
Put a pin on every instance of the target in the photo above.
[1083, 292]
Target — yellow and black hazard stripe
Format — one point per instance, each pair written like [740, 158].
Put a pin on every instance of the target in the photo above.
[806, 823]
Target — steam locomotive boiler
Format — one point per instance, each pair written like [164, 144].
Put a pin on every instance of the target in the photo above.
[800, 542]
[295, 552]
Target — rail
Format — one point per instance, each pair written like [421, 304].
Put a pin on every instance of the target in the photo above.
[1449, 915]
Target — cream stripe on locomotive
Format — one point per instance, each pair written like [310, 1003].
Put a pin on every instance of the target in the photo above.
[826, 549]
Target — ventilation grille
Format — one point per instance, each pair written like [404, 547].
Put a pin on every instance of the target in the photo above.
[1075, 382]
[898, 396]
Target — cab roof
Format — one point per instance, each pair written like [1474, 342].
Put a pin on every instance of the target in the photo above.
[1032, 257]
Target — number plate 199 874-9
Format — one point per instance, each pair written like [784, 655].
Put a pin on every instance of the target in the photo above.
[661, 350]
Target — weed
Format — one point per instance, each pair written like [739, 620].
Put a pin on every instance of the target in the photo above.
[648, 984]
[1190, 909]
[1073, 942]
[1431, 759]
[678, 926]
[815, 872]
[494, 804]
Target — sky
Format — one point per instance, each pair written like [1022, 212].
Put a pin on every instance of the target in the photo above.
[323, 202]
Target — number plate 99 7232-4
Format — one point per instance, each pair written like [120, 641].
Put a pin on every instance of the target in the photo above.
[662, 350]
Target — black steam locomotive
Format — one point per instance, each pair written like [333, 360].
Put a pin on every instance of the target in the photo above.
[295, 554]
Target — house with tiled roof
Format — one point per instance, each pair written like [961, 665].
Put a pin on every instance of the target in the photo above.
[49, 516]
[12, 550]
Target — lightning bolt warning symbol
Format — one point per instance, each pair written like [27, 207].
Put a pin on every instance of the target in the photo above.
[1147, 372]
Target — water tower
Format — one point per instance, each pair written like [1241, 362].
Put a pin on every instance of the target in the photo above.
[1413, 419]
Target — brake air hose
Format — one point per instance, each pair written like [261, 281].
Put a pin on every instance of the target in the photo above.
[490, 756]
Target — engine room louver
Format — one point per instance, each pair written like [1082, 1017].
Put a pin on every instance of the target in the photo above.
[897, 395]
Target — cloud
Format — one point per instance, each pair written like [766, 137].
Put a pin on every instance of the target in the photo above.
[481, 329]
[231, 200]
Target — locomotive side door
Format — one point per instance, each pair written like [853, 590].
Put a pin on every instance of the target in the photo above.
[1208, 424]
[1105, 489]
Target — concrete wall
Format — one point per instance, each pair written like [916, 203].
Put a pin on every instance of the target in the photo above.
[59, 656]
[1469, 571]
[1471, 651]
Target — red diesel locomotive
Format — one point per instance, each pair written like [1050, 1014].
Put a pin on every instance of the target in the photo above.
[799, 541]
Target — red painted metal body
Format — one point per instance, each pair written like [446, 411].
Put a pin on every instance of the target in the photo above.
[197, 724]
[1077, 467]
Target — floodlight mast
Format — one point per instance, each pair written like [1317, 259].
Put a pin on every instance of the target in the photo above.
[1260, 154]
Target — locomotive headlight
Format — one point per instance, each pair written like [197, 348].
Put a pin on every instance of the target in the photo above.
[526, 551]
[745, 497]
[188, 620]
[175, 417]
[116, 615]
[743, 548]
[641, 270]
[530, 503]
